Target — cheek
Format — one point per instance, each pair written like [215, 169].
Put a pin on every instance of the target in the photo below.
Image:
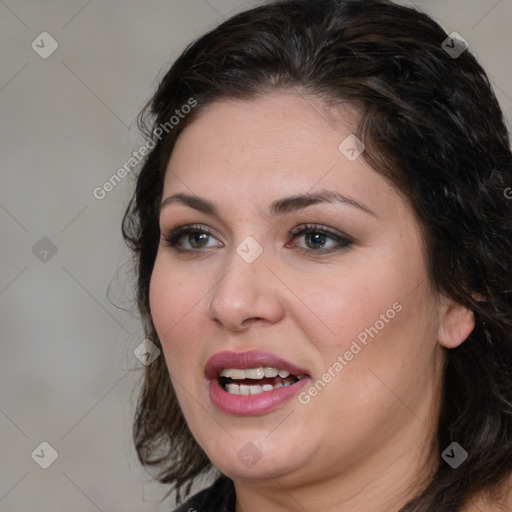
[377, 315]
[348, 304]
[386, 337]
[173, 300]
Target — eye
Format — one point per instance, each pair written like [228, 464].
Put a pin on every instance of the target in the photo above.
[316, 237]
[196, 236]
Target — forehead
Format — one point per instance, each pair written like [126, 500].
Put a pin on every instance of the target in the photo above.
[272, 117]
[279, 143]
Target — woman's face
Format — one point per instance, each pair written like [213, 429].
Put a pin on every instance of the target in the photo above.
[349, 310]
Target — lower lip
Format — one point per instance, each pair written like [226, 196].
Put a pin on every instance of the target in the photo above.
[253, 405]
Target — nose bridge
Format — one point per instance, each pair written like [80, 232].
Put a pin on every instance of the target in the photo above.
[245, 289]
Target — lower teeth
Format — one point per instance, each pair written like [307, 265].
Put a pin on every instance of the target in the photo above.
[241, 389]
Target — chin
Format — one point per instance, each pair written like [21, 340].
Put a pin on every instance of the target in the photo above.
[254, 457]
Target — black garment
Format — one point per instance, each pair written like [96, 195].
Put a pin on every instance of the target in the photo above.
[219, 497]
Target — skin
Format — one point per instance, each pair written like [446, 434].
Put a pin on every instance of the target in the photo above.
[364, 443]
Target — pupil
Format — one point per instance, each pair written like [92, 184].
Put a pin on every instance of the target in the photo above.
[319, 238]
[195, 236]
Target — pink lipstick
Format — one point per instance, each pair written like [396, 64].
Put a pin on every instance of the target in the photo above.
[252, 383]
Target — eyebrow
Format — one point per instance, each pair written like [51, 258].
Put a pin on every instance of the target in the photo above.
[279, 207]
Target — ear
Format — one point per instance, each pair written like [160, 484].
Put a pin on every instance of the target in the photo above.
[455, 324]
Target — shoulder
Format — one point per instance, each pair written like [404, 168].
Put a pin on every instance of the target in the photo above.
[219, 497]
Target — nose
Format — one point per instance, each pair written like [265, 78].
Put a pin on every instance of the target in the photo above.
[245, 294]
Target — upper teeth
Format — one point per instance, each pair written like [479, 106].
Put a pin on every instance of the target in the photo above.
[253, 373]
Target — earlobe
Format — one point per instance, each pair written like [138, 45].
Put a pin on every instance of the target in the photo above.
[456, 324]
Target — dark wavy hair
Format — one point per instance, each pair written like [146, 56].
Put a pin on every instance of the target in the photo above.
[433, 127]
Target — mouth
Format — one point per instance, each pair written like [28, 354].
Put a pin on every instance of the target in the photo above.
[252, 383]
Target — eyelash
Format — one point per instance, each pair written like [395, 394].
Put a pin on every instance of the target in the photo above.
[344, 241]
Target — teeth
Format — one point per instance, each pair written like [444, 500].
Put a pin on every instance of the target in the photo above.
[271, 372]
[242, 389]
[255, 390]
[234, 389]
[253, 373]
[235, 374]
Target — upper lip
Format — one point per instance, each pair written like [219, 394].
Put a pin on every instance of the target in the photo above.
[245, 360]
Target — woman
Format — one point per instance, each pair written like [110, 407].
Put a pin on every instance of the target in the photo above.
[323, 242]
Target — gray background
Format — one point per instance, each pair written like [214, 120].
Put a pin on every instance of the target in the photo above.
[68, 375]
